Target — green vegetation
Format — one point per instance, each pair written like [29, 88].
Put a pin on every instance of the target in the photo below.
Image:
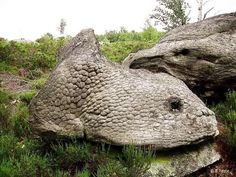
[5, 110]
[33, 58]
[171, 13]
[38, 83]
[30, 56]
[27, 96]
[22, 156]
[117, 45]
[226, 113]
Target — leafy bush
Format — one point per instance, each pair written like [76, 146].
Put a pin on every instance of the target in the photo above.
[149, 34]
[7, 169]
[66, 156]
[84, 173]
[111, 168]
[41, 54]
[38, 84]
[26, 166]
[26, 97]
[226, 112]
[136, 160]
[118, 51]
[7, 146]
[19, 121]
[117, 45]
[4, 109]
[12, 147]
[5, 67]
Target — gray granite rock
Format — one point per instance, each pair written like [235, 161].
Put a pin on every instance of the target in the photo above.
[90, 97]
[183, 162]
[202, 54]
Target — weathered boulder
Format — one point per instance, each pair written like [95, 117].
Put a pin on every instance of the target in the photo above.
[90, 97]
[202, 54]
[184, 161]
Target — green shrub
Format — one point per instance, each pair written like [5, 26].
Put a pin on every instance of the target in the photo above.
[8, 146]
[118, 51]
[4, 97]
[117, 45]
[149, 34]
[5, 67]
[26, 97]
[84, 173]
[32, 165]
[12, 147]
[136, 160]
[35, 73]
[31, 56]
[19, 122]
[8, 169]
[226, 113]
[26, 166]
[38, 84]
[4, 49]
[5, 109]
[67, 155]
[60, 173]
[111, 168]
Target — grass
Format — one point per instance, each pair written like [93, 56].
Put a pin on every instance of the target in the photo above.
[23, 156]
[118, 51]
[19, 121]
[38, 84]
[5, 67]
[26, 97]
[226, 113]
[5, 108]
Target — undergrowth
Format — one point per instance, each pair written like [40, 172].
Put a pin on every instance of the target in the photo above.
[23, 156]
[226, 113]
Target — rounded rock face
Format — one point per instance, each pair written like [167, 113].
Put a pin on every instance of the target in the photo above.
[88, 96]
[201, 54]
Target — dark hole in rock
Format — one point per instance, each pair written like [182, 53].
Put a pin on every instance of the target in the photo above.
[182, 52]
[175, 104]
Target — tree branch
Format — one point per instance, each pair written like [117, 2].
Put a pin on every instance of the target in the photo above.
[205, 14]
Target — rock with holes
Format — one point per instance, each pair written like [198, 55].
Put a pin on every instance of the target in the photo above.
[90, 97]
[202, 54]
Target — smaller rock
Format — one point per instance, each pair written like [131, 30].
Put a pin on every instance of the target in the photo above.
[183, 162]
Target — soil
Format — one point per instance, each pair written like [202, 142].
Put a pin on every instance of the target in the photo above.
[13, 83]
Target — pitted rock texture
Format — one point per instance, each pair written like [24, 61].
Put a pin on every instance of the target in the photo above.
[90, 97]
[202, 54]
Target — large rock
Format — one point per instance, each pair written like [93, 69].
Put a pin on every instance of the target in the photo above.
[90, 97]
[184, 161]
[202, 54]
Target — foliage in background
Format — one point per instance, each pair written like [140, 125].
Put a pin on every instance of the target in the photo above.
[117, 45]
[171, 13]
[30, 56]
[226, 112]
[33, 59]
